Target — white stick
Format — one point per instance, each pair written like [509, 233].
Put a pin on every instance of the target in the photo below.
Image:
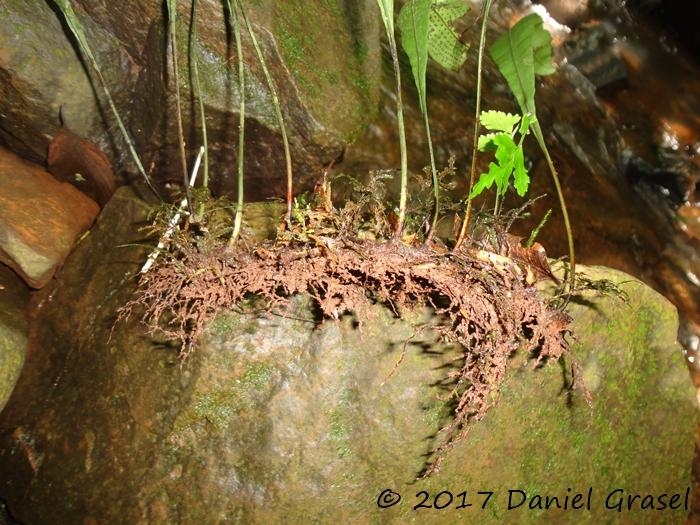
[175, 220]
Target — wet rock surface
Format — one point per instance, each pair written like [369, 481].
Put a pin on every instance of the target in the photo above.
[275, 420]
[141, 444]
[317, 56]
[40, 74]
[40, 219]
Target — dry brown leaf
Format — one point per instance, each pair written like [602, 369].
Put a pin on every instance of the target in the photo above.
[82, 163]
[533, 258]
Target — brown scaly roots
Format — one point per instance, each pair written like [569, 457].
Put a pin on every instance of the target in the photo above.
[486, 301]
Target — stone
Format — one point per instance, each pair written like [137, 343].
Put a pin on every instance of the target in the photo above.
[276, 420]
[41, 219]
[324, 59]
[41, 76]
[14, 297]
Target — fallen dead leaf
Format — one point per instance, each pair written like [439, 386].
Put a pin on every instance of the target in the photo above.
[82, 163]
[533, 258]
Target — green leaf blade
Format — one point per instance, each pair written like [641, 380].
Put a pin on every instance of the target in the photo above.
[505, 155]
[521, 179]
[444, 44]
[413, 21]
[510, 163]
[520, 53]
[486, 142]
[542, 51]
[386, 8]
[525, 123]
[512, 53]
[485, 181]
[499, 121]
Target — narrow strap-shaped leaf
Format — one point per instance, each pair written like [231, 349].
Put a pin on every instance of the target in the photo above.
[542, 49]
[386, 8]
[413, 24]
[77, 31]
[512, 53]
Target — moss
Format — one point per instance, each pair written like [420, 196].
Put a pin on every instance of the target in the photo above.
[334, 7]
[340, 419]
[630, 348]
[340, 434]
[309, 87]
[361, 50]
[331, 77]
[340, 392]
[256, 377]
[224, 324]
[219, 407]
[228, 324]
[312, 37]
[361, 82]
[293, 47]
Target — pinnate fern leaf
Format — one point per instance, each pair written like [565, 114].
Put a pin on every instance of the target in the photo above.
[499, 121]
[444, 45]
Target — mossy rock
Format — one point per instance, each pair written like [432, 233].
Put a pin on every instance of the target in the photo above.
[14, 296]
[274, 419]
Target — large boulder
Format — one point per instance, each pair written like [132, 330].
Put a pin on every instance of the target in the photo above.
[323, 58]
[276, 420]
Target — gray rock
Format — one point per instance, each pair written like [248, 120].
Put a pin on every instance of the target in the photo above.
[41, 74]
[324, 59]
[275, 420]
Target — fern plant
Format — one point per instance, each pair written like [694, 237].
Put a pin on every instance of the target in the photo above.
[276, 105]
[477, 110]
[521, 53]
[234, 24]
[504, 129]
[172, 37]
[198, 93]
[426, 28]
